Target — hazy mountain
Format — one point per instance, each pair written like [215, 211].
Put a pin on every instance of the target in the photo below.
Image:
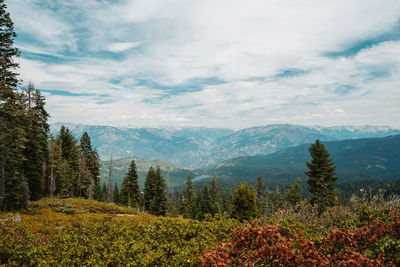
[359, 158]
[186, 146]
[198, 147]
[271, 138]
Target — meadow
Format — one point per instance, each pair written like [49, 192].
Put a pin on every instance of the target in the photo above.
[65, 232]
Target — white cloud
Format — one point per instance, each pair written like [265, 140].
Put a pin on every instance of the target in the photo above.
[244, 44]
[120, 47]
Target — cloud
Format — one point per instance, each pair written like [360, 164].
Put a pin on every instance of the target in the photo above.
[120, 47]
[213, 63]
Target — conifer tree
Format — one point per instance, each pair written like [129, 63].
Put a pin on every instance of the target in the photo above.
[36, 145]
[116, 195]
[181, 204]
[321, 177]
[12, 119]
[244, 205]
[85, 178]
[92, 162]
[294, 195]
[213, 189]
[130, 195]
[148, 191]
[70, 180]
[158, 202]
[207, 204]
[189, 197]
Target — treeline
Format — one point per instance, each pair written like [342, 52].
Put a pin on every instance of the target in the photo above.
[74, 167]
[158, 199]
[34, 164]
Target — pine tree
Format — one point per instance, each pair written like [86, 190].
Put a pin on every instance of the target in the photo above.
[207, 204]
[321, 177]
[215, 198]
[244, 205]
[181, 204]
[116, 194]
[12, 119]
[130, 195]
[85, 178]
[148, 191]
[36, 146]
[70, 180]
[92, 161]
[189, 197]
[213, 189]
[158, 202]
[294, 195]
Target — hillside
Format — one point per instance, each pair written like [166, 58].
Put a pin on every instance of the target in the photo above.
[357, 161]
[360, 158]
[199, 147]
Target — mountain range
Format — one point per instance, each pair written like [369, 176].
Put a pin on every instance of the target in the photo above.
[362, 158]
[200, 147]
[367, 162]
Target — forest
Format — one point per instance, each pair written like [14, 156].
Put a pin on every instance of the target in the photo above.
[55, 211]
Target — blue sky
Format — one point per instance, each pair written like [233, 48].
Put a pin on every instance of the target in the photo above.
[213, 63]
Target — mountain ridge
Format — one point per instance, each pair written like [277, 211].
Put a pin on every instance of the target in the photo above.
[199, 147]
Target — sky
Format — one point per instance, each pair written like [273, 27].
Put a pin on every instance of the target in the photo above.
[212, 63]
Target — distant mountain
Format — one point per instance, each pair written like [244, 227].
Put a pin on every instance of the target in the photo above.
[272, 138]
[354, 159]
[186, 146]
[199, 147]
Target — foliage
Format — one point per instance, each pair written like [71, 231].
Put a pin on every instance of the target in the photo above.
[130, 195]
[188, 208]
[373, 245]
[294, 195]
[321, 177]
[47, 237]
[244, 205]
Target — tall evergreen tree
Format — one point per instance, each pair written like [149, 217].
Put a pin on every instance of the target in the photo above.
[158, 202]
[70, 154]
[181, 204]
[130, 195]
[244, 205]
[12, 119]
[214, 189]
[322, 177]
[207, 204]
[92, 161]
[148, 191]
[189, 197]
[36, 145]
